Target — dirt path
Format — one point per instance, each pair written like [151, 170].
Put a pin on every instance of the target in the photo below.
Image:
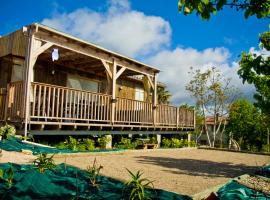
[185, 171]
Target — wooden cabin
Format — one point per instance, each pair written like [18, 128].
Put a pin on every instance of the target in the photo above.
[52, 80]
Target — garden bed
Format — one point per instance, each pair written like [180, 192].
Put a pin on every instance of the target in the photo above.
[65, 182]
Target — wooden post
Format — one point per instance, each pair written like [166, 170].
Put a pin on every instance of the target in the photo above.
[28, 73]
[114, 69]
[177, 117]
[155, 100]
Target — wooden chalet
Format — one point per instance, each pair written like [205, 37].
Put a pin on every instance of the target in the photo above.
[85, 88]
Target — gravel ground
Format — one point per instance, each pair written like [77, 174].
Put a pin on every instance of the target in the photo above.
[184, 171]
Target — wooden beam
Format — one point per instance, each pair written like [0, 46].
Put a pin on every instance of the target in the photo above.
[107, 67]
[91, 52]
[120, 72]
[151, 82]
[41, 49]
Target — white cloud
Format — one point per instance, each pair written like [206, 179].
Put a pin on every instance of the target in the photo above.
[175, 65]
[138, 35]
[118, 28]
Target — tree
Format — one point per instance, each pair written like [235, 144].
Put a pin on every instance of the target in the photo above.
[246, 125]
[213, 96]
[204, 8]
[255, 69]
[163, 95]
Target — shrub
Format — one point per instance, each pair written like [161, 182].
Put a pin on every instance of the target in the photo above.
[7, 131]
[10, 175]
[153, 140]
[176, 143]
[89, 144]
[102, 141]
[93, 172]
[126, 143]
[166, 143]
[43, 162]
[135, 188]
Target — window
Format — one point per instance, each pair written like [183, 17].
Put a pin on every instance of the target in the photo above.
[81, 83]
[139, 94]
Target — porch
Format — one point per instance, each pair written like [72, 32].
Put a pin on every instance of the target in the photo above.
[58, 107]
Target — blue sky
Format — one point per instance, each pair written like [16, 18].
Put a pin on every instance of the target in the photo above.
[171, 35]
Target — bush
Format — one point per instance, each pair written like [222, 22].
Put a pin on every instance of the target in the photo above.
[126, 143]
[153, 140]
[166, 143]
[43, 162]
[102, 141]
[7, 131]
[89, 144]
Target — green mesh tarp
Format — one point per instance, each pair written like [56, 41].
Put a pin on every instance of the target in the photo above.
[15, 144]
[233, 190]
[66, 182]
[265, 171]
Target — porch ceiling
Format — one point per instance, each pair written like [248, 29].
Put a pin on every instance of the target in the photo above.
[74, 60]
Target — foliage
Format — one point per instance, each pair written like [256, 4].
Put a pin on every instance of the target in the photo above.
[177, 143]
[102, 141]
[43, 162]
[89, 144]
[126, 143]
[135, 188]
[77, 144]
[246, 125]
[153, 140]
[93, 172]
[7, 131]
[9, 173]
[204, 8]
[255, 69]
[166, 143]
[10, 176]
[213, 95]
[163, 95]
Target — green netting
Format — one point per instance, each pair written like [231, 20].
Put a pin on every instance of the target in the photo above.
[233, 190]
[66, 182]
[15, 144]
[265, 171]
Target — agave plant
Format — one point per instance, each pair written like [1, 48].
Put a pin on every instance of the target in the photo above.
[135, 188]
[43, 162]
[93, 172]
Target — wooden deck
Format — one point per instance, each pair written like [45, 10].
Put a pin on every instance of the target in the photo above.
[57, 105]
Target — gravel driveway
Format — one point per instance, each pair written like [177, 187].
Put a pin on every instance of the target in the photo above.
[185, 171]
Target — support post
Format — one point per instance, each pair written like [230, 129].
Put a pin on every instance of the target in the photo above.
[109, 141]
[114, 68]
[189, 139]
[28, 68]
[158, 140]
[155, 100]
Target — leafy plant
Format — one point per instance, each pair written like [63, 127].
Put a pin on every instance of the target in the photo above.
[43, 162]
[7, 131]
[102, 141]
[135, 188]
[93, 172]
[10, 176]
[1, 173]
[166, 143]
[153, 140]
[126, 143]
[89, 144]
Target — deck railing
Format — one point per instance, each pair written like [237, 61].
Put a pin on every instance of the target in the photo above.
[133, 111]
[62, 103]
[51, 103]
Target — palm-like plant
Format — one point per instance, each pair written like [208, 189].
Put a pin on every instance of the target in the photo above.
[163, 95]
[135, 188]
[43, 162]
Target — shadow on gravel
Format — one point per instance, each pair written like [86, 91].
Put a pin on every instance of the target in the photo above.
[194, 167]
